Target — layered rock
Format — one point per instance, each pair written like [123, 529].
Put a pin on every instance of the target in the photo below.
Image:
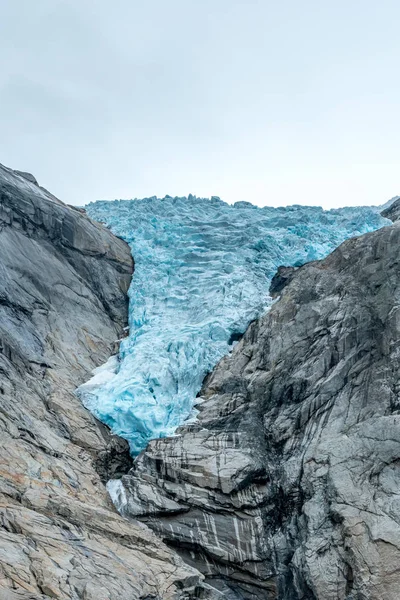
[63, 305]
[392, 212]
[288, 484]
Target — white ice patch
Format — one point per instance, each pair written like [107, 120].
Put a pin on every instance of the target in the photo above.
[101, 376]
[117, 494]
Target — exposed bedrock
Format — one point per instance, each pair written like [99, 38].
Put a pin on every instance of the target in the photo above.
[288, 484]
[392, 212]
[63, 304]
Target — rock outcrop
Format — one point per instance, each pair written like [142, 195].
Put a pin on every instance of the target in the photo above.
[282, 277]
[392, 212]
[288, 484]
[63, 304]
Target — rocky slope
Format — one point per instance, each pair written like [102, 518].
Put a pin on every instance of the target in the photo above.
[63, 283]
[288, 485]
[392, 212]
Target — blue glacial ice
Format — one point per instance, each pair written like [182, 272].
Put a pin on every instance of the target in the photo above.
[202, 273]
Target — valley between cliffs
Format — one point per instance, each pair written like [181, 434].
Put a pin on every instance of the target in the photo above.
[286, 487]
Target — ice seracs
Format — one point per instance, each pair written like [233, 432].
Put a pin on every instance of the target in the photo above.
[202, 273]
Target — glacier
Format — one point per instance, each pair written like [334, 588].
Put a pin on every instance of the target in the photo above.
[202, 273]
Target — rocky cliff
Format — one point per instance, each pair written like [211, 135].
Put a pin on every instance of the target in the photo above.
[63, 304]
[392, 212]
[288, 485]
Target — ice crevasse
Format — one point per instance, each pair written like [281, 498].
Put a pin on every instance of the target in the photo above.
[202, 273]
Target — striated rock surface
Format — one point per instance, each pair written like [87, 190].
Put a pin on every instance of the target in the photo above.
[63, 304]
[392, 212]
[288, 485]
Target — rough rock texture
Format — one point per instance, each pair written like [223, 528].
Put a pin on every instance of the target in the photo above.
[63, 283]
[393, 211]
[288, 485]
[282, 277]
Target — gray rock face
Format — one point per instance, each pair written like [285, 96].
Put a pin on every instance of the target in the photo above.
[63, 283]
[27, 176]
[393, 211]
[288, 485]
[281, 278]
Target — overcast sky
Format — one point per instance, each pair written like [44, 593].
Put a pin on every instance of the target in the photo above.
[272, 102]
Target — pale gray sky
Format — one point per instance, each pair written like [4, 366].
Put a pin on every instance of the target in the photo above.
[272, 102]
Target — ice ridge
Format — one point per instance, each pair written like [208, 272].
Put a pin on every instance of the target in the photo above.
[202, 273]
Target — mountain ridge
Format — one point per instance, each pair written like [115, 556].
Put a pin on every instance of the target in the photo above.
[63, 305]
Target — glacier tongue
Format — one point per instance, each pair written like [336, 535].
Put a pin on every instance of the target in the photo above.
[202, 273]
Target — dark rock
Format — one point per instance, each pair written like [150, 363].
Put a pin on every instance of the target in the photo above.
[393, 211]
[115, 460]
[287, 486]
[281, 278]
